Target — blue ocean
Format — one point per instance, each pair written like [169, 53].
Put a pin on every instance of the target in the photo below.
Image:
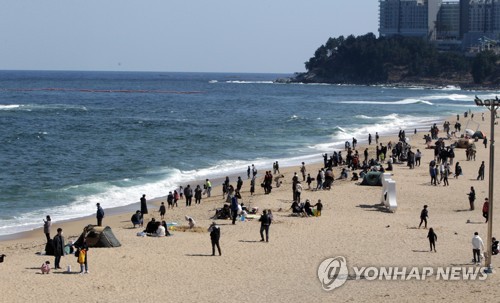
[71, 139]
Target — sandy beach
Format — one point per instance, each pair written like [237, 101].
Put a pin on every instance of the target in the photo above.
[352, 225]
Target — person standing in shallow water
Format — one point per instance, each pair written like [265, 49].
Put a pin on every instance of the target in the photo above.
[432, 239]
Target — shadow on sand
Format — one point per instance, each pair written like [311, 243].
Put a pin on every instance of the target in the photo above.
[375, 207]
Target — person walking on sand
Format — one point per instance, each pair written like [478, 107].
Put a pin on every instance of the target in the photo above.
[480, 173]
[376, 138]
[432, 239]
[477, 246]
[472, 197]
[99, 214]
[46, 227]
[485, 142]
[424, 214]
[303, 171]
[188, 194]
[298, 191]
[248, 172]
[252, 186]
[445, 174]
[214, 231]
[486, 209]
[170, 200]
[458, 170]
[208, 186]
[369, 139]
[162, 210]
[265, 222]
[234, 209]
[144, 205]
[197, 194]
[58, 248]
[309, 181]
[176, 198]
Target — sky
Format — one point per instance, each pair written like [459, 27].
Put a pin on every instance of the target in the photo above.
[257, 36]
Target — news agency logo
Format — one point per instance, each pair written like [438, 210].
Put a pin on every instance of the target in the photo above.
[333, 273]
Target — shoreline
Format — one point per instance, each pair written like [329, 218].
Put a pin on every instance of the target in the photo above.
[217, 181]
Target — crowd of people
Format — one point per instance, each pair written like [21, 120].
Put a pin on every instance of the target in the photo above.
[234, 209]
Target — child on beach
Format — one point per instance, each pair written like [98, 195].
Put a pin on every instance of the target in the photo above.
[319, 207]
[45, 267]
[191, 222]
[81, 255]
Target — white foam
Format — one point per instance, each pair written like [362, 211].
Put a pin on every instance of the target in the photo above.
[400, 102]
[9, 106]
[249, 82]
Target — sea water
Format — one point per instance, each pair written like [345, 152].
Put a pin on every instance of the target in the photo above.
[69, 140]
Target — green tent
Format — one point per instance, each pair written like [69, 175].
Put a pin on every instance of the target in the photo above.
[98, 236]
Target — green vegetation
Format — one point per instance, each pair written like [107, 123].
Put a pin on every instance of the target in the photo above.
[370, 60]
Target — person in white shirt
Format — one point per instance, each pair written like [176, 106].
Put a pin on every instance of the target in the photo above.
[477, 246]
[160, 232]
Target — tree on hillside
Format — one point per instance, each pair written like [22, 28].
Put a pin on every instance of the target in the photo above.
[484, 64]
[367, 59]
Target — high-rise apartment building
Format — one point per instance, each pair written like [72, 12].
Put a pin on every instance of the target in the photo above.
[416, 18]
[467, 21]
[448, 21]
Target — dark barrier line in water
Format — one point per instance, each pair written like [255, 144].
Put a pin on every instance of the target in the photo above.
[134, 91]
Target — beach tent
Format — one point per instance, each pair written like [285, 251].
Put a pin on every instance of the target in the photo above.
[98, 236]
[479, 134]
[373, 178]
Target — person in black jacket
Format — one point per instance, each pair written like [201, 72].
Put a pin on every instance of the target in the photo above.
[214, 231]
[424, 214]
[472, 197]
[99, 214]
[58, 248]
[432, 238]
[144, 205]
[265, 222]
